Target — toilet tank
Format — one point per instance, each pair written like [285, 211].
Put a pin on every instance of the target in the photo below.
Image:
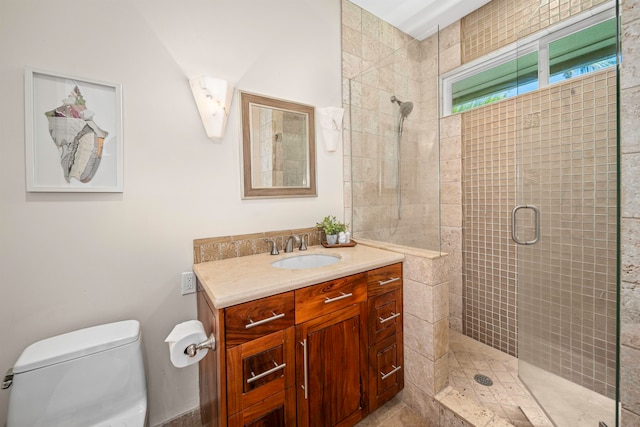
[89, 377]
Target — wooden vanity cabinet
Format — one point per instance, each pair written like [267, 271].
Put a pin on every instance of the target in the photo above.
[323, 355]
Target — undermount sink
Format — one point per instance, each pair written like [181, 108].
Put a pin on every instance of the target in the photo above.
[306, 261]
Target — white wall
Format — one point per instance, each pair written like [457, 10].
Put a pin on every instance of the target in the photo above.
[74, 260]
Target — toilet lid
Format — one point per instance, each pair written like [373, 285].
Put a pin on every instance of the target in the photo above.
[77, 344]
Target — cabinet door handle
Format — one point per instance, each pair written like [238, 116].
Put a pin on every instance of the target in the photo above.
[253, 324]
[393, 316]
[305, 370]
[386, 282]
[265, 373]
[327, 300]
[393, 371]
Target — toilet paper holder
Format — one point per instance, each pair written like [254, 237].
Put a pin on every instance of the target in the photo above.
[209, 343]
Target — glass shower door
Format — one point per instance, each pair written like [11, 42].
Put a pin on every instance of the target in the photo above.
[565, 226]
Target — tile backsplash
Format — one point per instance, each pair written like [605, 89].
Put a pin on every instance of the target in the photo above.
[217, 248]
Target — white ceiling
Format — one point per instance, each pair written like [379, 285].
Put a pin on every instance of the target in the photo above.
[420, 18]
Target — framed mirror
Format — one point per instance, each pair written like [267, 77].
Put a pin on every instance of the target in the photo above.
[278, 147]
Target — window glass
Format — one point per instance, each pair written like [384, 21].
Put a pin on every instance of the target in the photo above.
[500, 82]
[585, 51]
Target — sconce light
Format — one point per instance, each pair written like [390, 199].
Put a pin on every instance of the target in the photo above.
[330, 120]
[213, 98]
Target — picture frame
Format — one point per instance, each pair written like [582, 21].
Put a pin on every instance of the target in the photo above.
[73, 133]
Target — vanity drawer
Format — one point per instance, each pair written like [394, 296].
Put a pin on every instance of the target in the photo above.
[327, 297]
[386, 372]
[384, 279]
[385, 315]
[276, 410]
[254, 319]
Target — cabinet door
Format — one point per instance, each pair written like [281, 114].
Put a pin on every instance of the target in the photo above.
[331, 371]
[386, 371]
[259, 369]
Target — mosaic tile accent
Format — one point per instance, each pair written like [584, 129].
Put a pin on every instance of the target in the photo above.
[502, 22]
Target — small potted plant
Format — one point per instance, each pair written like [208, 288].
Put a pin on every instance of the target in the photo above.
[331, 227]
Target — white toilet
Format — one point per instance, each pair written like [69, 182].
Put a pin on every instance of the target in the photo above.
[89, 377]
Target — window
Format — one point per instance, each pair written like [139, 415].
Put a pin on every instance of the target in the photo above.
[591, 49]
[562, 52]
[503, 81]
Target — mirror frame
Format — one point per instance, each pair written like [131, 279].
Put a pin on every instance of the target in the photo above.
[246, 100]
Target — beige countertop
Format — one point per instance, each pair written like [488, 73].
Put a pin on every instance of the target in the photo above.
[237, 280]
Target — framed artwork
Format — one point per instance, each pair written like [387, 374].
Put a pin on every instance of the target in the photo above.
[73, 134]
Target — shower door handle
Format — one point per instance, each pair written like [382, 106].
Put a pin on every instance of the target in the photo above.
[514, 233]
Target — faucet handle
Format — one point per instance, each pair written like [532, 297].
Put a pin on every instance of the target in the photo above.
[303, 245]
[274, 248]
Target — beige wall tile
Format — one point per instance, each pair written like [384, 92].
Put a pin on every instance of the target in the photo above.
[630, 248]
[630, 315]
[451, 215]
[629, 373]
[422, 403]
[419, 370]
[630, 194]
[628, 418]
[630, 74]
[450, 126]
[418, 300]
[450, 58]
[629, 113]
[450, 35]
[630, 10]
[351, 15]
[452, 245]
[419, 336]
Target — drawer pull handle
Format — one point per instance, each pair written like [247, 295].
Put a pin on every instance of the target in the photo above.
[393, 316]
[255, 377]
[327, 300]
[393, 371]
[386, 282]
[253, 324]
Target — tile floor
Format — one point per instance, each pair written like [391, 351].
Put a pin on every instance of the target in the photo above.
[507, 397]
[394, 413]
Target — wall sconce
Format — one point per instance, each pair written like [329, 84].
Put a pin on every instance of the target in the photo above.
[213, 98]
[330, 121]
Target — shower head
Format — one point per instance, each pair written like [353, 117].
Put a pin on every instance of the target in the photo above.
[405, 107]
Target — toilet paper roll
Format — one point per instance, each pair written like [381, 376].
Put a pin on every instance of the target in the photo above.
[183, 335]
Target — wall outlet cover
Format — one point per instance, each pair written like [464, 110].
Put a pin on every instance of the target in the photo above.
[188, 283]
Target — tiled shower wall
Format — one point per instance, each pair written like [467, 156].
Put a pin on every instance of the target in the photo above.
[379, 61]
[564, 138]
[493, 26]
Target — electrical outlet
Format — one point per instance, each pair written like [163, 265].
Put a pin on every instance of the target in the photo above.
[188, 283]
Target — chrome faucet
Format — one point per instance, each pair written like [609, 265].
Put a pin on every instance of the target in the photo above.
[289, 246]
[274, 248]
